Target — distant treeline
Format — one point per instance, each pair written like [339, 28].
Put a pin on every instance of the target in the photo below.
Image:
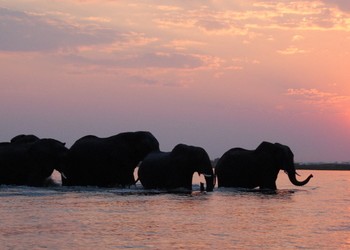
[311, 166]
[323, 166]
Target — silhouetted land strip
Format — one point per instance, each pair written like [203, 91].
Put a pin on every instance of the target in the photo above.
[323, 166]
[313, 166]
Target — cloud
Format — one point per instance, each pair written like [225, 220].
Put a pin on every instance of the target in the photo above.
[84, 43]
[301, 15]
[160, 60]
[211, 21]
[291, 51]
[168, 8]
[342, 4]
[21, 31]
[125, 41]
[212, 25]
[317, 97]
[297, 38]
[184, 44]
[24, 31]
[98, 19]
[163, 60]
[262, 15]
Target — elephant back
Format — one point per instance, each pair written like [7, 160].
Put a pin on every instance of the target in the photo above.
[22, 138]
[108, 161]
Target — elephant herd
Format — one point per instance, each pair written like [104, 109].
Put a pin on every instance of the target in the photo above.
[110, 162]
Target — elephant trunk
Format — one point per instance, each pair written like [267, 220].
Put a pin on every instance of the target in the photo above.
[209, 179]
[293, 179]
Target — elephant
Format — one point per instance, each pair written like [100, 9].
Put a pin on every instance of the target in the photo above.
[24, 138]
[30, 162]
[107, 162]
[175, 169]
[244, 168]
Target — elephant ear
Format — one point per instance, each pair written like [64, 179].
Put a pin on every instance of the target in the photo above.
[181, 156]
[142, 143]
[286, 157]
[274, 152]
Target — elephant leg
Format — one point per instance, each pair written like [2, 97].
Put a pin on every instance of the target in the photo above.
[269, 185]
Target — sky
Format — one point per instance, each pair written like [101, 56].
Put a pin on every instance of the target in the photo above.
[210, 73]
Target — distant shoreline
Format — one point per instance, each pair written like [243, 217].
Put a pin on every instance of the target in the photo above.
[313, 166]
[323, 166]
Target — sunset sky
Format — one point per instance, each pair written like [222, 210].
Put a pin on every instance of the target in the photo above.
[211, 73]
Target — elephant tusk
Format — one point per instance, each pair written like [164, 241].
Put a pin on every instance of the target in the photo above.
[63, 175]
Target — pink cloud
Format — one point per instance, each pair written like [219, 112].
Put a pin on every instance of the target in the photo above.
[315, 96]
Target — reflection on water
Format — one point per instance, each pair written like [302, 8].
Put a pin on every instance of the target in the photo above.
[310, 217]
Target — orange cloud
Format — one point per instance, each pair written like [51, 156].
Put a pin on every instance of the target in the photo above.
[291, 51]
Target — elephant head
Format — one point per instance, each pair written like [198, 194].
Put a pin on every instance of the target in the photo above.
[144, 143]
[24, 139]
[138, 144]
[175, 169]
[284, 159]
[45, 155]
[197, 161]
[28, 160]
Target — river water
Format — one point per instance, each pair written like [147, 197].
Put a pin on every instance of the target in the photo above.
[316, 216]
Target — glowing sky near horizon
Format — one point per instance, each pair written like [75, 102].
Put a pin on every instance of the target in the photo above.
[211, 73]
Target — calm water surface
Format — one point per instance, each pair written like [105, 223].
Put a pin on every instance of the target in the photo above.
[316, 216]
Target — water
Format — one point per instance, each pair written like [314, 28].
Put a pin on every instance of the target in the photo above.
[316, 216]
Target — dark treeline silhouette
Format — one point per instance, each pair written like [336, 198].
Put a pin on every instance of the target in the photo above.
[323, 166]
